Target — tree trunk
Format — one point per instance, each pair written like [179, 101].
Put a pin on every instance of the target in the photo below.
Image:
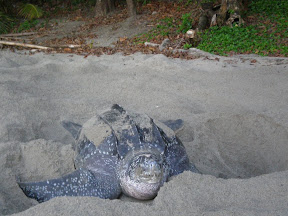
[103, 7]
[203, 21]
[131, 8]
[230, 12]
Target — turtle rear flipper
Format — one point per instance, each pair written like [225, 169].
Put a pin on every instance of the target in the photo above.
[73, 128]
[175, 125]
[194, 169]
[79, 183]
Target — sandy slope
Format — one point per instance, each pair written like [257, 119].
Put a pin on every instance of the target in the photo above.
[235, 114]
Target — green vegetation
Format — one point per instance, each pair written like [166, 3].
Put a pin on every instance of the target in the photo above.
[186, 23]
[240, 40]
[272, 9]
[6, 23]
[168, 26]
[187, 46]
[27, 24]
[164, 27]
[78, 2]
[143, 2]
[266, 36]
[30, 11]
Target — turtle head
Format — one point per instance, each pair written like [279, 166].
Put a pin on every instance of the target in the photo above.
[146, 168]
[142, 173]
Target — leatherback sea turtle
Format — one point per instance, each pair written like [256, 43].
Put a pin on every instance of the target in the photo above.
[118, 151]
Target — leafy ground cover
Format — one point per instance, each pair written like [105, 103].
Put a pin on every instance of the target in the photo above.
[265, 32]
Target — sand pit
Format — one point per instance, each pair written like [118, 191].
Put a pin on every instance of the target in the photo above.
[235, 128]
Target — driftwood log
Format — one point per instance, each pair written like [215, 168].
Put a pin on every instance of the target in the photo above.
[18, 34]
[14, 39]
[65, 46]
[24, 45]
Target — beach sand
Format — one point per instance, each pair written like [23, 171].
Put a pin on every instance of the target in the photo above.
[235, 113]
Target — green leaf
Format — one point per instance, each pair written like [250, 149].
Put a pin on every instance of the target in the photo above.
[5, 23]
[30, 11]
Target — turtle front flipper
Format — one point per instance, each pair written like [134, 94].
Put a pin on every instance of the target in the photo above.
[82, 182]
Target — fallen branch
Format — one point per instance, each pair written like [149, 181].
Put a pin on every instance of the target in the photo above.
[24, 45]
[151, 44]
[14, 38]
[18, 34]
[65, 46]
